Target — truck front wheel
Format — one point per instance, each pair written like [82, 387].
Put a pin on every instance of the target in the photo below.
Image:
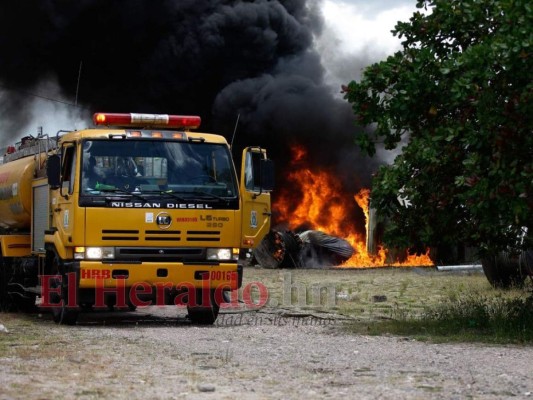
[62, 313]
[202, 307]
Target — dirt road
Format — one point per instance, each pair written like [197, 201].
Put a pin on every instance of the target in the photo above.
[297, 350]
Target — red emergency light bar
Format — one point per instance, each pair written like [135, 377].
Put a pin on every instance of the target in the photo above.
[147, 120]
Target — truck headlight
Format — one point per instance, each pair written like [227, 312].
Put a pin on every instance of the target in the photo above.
[222, 254]
[100, 253]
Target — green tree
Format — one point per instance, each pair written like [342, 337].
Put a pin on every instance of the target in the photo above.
[457, 100]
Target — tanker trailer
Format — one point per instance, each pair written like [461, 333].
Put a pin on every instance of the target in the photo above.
[23, 203]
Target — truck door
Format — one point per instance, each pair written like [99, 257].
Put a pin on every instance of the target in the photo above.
[257, 179]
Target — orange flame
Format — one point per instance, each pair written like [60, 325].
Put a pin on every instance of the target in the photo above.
[316, 200]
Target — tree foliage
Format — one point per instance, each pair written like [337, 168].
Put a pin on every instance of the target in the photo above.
[457, 99]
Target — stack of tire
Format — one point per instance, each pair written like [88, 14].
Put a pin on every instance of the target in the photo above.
[505, 269]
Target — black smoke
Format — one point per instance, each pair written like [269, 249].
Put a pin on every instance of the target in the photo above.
[216, 58]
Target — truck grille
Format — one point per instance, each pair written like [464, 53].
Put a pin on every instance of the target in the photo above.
[160, 235]
[159, 254]
[163, 235]
[120, 234]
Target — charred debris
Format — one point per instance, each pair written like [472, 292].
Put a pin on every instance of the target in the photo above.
[308, 249]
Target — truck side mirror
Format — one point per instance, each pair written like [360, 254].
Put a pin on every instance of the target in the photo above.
[53, 171]
[267, 175]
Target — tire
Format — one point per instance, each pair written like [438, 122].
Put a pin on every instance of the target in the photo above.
[62, 314]
[6, 276]
[13, 296]
[23, 275]
[503, 271]
[203, 314]
[5, 303]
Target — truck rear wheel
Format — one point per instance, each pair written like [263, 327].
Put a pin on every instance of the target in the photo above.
[203, 311]
[503, 270]
[15, 276]
[5, 301]
[23, 276]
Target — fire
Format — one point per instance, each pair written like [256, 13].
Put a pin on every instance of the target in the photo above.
[316, 200]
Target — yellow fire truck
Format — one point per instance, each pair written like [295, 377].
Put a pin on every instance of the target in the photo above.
[137, 210]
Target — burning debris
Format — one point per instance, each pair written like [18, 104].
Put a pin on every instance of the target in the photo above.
[308, 249]
[338, 227]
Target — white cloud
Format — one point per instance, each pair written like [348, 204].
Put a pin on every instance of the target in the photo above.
[357, 35]
[359, 31]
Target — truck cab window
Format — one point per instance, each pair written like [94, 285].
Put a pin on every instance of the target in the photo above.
[252, 171]
[68, 170]
[192, 169]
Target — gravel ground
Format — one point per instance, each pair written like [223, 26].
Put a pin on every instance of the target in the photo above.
[262, 354]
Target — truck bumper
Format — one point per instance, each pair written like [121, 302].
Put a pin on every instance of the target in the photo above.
[96, 274]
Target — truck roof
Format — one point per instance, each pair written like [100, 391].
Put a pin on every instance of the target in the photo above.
[105, 133]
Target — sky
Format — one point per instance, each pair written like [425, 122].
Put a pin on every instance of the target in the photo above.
[357, 32]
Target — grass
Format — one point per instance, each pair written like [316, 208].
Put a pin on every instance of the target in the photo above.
[498, 317]
[420, 303]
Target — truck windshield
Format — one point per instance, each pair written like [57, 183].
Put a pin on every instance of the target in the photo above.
[141, 166]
